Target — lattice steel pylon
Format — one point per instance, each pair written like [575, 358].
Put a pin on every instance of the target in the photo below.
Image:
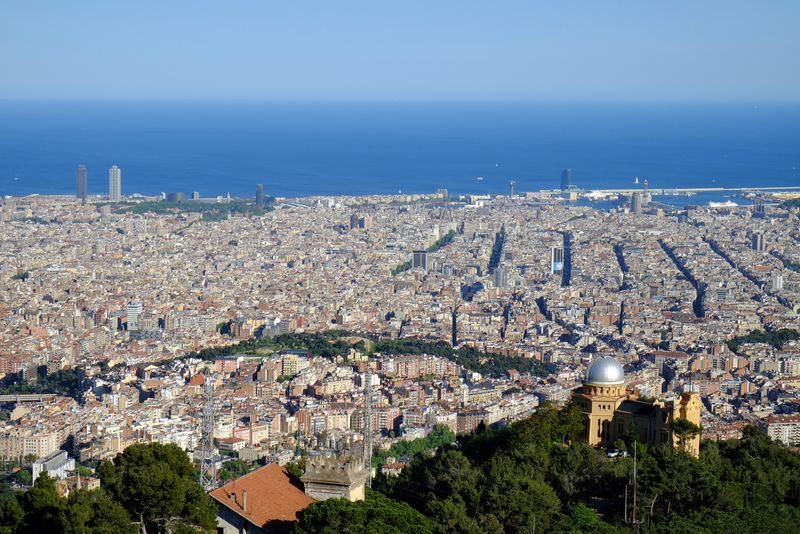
[368, 400]
[207, 456]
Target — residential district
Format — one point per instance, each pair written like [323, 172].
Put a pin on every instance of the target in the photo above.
[641, 311]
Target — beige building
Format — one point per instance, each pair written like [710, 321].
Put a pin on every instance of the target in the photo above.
[611, 413]
[333, 478]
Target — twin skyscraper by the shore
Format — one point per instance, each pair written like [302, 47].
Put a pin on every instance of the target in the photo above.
[114, 183]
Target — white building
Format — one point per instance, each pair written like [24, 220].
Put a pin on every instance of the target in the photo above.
[58, 465]
[784, 428]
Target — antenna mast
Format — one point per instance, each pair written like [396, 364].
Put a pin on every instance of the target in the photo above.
[208, 465]
[368, 431]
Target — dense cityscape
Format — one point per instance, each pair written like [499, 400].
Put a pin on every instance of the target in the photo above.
[388, 268]
[282, 330]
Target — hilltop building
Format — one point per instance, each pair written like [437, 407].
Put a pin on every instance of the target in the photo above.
[269, 499]
[611, 413]
[266, 500]
[335, 478]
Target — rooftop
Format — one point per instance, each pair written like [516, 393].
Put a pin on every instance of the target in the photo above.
[272, 495]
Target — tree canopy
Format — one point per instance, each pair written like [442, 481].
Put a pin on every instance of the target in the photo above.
[376, 514]
[41, 509]
[155, 484]
[538, 470]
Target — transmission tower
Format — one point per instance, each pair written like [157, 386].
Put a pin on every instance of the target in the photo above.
[208, 465]
[368, 407]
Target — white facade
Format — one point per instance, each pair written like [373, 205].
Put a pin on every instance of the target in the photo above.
[58, 465]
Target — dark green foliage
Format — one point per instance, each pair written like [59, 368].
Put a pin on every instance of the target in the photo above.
[233, 469]
[494, 365]
[446, 239]
[441, 435]
[211, 211]
[331, 344]
[374, 515]
[24, 476]
[41, 509]
[66, 382]
[403, 267]
[777, 339]
[538, 470]
[11, 513]
[155, 484]
[685, 430]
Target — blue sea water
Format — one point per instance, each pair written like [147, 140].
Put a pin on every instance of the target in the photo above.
[298, 149]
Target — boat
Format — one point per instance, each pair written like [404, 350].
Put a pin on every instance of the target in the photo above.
[726, 204]
[480, 178]
[636, 180]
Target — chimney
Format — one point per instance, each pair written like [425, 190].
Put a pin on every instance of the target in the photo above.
[244, 501]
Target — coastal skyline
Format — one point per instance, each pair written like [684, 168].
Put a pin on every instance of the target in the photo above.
[329, 149]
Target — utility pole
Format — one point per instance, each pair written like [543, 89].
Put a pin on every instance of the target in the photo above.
[625, 510]
[368, 406]
[208, 461]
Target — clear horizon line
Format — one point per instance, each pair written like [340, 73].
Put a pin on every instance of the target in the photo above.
[246, 100]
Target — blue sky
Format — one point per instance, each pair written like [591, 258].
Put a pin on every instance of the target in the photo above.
[504, 50]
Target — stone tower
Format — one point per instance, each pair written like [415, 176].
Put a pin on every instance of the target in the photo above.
[329, 477]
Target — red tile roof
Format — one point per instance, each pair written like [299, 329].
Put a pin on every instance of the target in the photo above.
[272, 495]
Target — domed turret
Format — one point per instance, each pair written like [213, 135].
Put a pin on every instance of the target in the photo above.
[605, 370]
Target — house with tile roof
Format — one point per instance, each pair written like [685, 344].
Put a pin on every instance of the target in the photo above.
[266, 501]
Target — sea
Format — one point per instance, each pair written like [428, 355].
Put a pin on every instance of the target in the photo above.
[332, 148]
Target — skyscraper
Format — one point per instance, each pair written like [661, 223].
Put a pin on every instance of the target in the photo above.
[636, 203]
[757, 242]
[512, 188]
[556, 260]
[82, 183]
[759, 209]
[501, 276]
[133, 311]
[114, 184]
[566, 179]
[260, 195]
[420, 259]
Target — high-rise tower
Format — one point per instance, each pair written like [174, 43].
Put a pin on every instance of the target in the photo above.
[368, 430]
[556, 260]
[260, 195]
[566, 179]
[114, 184]
[636, 203]
[82, 183]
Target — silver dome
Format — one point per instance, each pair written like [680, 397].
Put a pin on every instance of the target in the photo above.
[605, 370]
